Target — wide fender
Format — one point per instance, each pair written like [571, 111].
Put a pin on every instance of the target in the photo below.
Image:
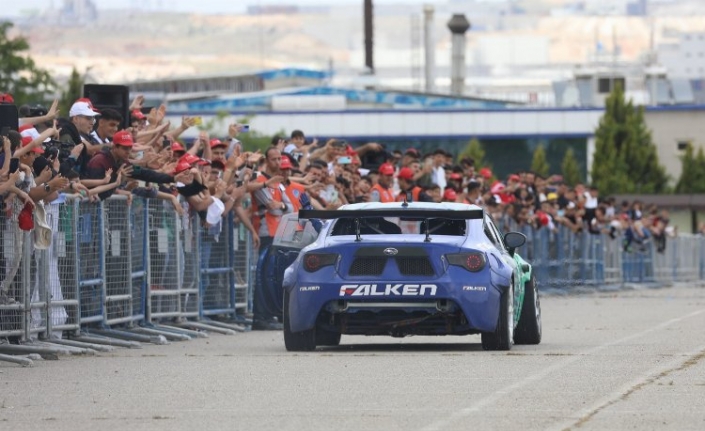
[500, 272]
[290, 275]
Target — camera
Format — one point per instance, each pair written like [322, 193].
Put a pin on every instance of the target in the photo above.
[32, 111]
[57, 150]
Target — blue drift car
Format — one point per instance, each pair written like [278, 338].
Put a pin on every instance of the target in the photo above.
[405, 269]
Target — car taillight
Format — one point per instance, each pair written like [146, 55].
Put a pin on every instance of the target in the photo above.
[315, 261]
[473, 262]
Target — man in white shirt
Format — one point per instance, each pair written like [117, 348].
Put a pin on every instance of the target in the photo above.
[107, 125]
[438, 174]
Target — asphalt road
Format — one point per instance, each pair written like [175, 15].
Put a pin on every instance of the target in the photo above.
[609, 361]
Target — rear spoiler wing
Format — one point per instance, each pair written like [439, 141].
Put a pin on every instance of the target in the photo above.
[391, 212]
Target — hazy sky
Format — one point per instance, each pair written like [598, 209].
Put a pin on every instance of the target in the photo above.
[14, 8]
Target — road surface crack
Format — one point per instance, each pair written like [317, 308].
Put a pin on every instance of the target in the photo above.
[689, 362]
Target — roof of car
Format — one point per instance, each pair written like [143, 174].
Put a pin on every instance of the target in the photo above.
[449, 206]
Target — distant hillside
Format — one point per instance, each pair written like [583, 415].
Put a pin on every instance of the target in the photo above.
[125, 46]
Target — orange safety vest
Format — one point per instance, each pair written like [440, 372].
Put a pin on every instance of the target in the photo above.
[293, 192]
[385, 195]
[271, 219]
[415, 193]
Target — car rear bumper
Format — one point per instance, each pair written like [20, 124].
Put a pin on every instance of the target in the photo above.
[424, 308]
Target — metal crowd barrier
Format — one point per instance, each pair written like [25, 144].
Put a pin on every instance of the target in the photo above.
[173, 265]
[115, 266]
[125, 269]
[566, 260]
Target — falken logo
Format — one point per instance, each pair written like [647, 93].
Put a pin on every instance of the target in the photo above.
[387, 289]
[309, 288]
[475, 288]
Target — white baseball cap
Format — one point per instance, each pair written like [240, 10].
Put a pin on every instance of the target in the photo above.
[83, 107]
[215, 212]
[29, 130]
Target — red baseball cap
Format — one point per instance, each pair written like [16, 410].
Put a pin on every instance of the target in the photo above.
[386, 169]
[188, 158]
[137, 114]
[192, 160]
[176, 147]
[450, 195]
[486, 173]
[514, 177]
[123, 138]
[406, 173]
[285, 163]
[181, 167]
[26, 140]
[6, 98]
[456, 176]
[497, 187]
[542, 218]
[215, 142]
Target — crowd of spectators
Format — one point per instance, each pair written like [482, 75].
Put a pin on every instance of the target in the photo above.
[87, 154]
[337, 173]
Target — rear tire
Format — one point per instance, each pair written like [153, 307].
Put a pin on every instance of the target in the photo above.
[304, 341]
[502, 337]
[529, 327]
[327, 338]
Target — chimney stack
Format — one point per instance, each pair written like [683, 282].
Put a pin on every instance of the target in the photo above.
[429, 49]
[458, 25]
[369, 37]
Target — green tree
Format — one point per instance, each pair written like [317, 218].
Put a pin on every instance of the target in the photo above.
[73, 91]
[625, 159]
[692, 179]
[539, 164]
[19, 75]
[474, 151]
[570, 168]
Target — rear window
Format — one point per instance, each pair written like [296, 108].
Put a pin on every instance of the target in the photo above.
[397, 226]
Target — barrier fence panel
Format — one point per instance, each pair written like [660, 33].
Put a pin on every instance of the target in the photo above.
[118, 260]
[39, 294]
[190, 262]
[216, 249]
[63, 266]
[165, 268]
[665, 262]
[568, 256]
[13, 276]
[138, 256]
[90, 262]
[612, 260]
[688, 263]
[702, 256]
[592, 258]
[242, 244]
[638, 264]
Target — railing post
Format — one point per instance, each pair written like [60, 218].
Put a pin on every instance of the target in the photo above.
[26, 283]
